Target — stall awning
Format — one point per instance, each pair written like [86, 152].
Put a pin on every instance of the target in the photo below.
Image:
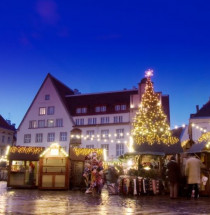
[198, 148]
[26, 153]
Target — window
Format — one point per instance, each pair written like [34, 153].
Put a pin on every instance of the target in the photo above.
[78, 110]
[123, 107]
[39, 138]
[81, 110]
[119, 149]
[50, 110]
[90, 134]
[92, 121]
[100, 109]
[104, 134]
[32, 124]
[79, 121]
[47, 97]
[59, 122]
[9, 140]
[120, 133]
[90, 146]
[50, 123]
[105, 146]
[42, 111]
[120, 107]
[104, 120]
[118, 119]
[27, 138]
[50, 137]
[41, 123]
[2, 139]
[63, 136]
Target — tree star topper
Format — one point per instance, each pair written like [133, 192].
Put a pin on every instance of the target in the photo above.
[149, 73]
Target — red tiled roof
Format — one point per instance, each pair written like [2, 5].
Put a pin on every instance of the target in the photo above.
[92, 100]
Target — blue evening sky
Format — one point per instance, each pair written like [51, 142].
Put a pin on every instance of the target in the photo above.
[105, 45]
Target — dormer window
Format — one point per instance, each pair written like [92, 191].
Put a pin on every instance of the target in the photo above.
[120, 107]
[81, 110]
[99, 109]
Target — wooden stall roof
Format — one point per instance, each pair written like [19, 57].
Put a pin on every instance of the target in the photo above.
[25, 153]
[79, 154]
[198, 148]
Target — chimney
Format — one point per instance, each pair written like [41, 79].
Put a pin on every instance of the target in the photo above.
[197, 108]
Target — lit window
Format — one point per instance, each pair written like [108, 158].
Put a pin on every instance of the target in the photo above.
[32, 124]
[50, 123]
[50, 110]
[63, 136]
[39, 138]
[119, 149]
[41, 123]
[42, 111]
[27, 138]
[47, 97]
[50, 137]
[59, 122]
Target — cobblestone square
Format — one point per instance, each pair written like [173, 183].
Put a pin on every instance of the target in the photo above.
[21, 201]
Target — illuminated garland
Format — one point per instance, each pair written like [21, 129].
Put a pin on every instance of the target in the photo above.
[26, 150]
[204, 137]
[150, 123]
[87, 151]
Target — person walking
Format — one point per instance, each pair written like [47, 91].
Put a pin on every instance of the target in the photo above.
[193, 173]
[173, 172]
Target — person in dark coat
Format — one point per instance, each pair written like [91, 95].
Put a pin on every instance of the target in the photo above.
[173, 177]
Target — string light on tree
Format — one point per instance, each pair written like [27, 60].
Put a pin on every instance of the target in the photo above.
[150, 123]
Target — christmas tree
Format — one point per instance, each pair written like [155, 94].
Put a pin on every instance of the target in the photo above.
[150, 123]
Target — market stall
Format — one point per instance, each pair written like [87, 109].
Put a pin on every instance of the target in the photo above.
[23, 166]
[54, 168]
[82, 162]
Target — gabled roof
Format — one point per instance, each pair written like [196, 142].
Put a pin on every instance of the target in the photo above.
[60, 88]
[4, 124]
[203, 112]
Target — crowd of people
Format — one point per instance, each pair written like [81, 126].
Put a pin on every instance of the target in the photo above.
[96, 177]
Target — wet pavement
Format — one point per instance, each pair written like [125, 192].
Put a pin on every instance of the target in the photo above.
[20, 201]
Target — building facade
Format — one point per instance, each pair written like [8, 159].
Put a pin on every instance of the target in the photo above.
[95, 120]
[7, 135]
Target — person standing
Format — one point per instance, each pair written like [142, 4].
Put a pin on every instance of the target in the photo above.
[192, 171]
[173, 172]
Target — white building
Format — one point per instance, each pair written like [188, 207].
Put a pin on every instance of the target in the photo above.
[97, 120]
[199, 122]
